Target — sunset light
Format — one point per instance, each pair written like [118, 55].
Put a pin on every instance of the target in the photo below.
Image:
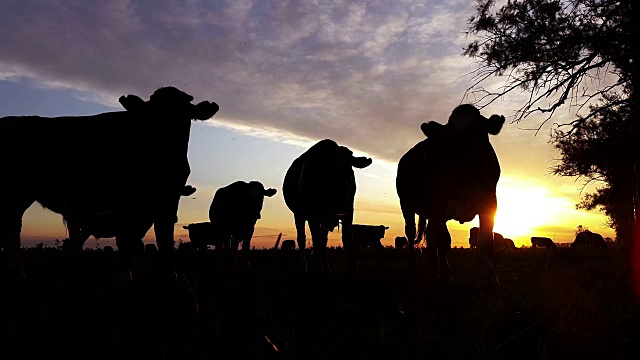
[524, 206]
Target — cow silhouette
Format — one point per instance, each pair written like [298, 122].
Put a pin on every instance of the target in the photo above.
[368, 236]
[400, 242]
[234, 211]
[588, 239]
[538, 241]
[319, 188]
[288, 245]
[451, 175]
[81, 167]
[499, 241]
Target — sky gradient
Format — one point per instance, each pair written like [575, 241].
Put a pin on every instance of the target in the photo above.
[285, 74]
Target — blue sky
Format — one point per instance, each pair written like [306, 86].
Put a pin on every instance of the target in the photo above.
[285, 74]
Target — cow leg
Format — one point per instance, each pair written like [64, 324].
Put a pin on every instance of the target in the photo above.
[301, 238]
[438, 245]
[130, 246]
[319, 238]
[410, 233]
[486, 244]
[10, 227]
[347, 242]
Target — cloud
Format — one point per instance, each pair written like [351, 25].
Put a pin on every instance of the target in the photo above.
[363, 73]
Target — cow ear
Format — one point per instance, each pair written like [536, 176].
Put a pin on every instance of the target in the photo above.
[188, 190]
[494, 124]
[131, 102]
[360, 162]
[204, 110]
[270, 192]
[432, 128]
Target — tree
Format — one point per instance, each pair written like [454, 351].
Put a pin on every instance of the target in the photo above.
[579, 56]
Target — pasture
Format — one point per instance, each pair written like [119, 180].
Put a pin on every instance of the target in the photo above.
[558, 304]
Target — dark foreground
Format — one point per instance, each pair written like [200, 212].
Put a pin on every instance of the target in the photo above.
[551, 305]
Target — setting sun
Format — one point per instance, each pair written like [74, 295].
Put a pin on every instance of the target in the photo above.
[523, 207]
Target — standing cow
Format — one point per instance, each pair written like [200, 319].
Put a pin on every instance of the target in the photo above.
[539, 241]
[234, 211]
[368, 236]
[451, 175]
[319, 188]
[589, 239]
[499, 241]
[81, 167]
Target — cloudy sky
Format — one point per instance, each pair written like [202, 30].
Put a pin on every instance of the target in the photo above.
[285, 74]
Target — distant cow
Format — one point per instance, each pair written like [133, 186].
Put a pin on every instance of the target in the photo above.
[368, 236]
[400, 242]
[288, 245]
[537, 241]
[201, 234]
[82, 166]
[451, 175]
[499, 241]
[234, 211]
[319, 188]
[589, 239]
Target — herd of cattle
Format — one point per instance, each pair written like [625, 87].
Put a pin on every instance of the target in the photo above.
[85, 168]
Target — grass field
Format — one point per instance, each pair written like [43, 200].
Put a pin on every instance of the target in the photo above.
[560, 304]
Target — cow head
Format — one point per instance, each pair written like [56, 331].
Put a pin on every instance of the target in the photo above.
[258, 190]
[171, 101]
[466, 118]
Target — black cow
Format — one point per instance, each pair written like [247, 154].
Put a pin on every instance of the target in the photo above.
[499, 241]
[538, 241]
[452, 174]
[234, 211]
[588, 239]
[288, 245]
[233, 214]
[368, 236]
[319, 188]
[81, 167]
[401, 242]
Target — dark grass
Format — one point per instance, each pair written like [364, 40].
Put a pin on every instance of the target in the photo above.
[558, 304]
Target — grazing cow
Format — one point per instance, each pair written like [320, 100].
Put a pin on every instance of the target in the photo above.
[499, 241]
[368, 236]
[81, 167]
[319, 188]
[288, 245]
[589, 239]
[401, 242]
[451, 175]
[537, 241]
[234, 211]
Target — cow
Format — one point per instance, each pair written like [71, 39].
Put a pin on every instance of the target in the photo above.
[451, 175]
[499, 241]
[82, 166]
[368, 236]
[538, 241]
[588, 239]
[234, 211]
[288, 245]
[400, 242]
[319, 188]
[202, 234]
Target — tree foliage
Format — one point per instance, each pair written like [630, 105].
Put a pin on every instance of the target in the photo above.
[574, 55]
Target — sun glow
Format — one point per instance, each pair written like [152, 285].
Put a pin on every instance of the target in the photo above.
[524, 207]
